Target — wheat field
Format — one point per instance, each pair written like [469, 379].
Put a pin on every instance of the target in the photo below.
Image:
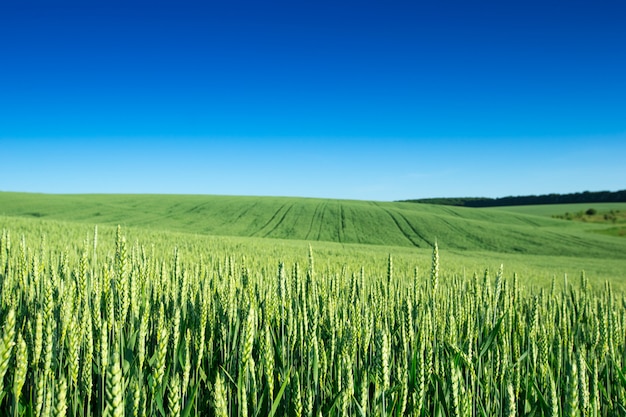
[119, 328]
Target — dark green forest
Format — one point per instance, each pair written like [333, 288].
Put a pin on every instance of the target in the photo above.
[584, 197]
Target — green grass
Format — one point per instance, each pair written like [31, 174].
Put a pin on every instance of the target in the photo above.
[537, 247]
[612, 214]
[341, 221]
[618, 231]
[550, 210]
[534, 270]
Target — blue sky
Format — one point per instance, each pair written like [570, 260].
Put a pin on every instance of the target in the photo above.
[342, 99]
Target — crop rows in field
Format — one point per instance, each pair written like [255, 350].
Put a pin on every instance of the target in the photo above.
[136, 332]
[341, 221]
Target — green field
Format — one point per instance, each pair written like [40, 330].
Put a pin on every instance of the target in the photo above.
[609, 218]
[526, 239]
[340, 221]
[550, 210]
[250, 306]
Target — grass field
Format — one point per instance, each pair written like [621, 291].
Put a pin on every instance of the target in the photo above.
[609, 218]
[341, 221]
[242, 306]
[550, 210]
[534, 270]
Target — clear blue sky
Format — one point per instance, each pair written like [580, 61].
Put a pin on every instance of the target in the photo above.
[343, 99]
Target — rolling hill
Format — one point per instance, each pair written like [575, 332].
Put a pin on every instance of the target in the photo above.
[344, 221]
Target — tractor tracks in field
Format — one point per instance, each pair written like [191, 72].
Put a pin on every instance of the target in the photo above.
[308, 233]
[342, 230]
[450, 211]
[455, 228]
[245, 211]
[417, 233]
[272, 224]
[529, 221]
[280, 220]
[406, 235]
[319, 230]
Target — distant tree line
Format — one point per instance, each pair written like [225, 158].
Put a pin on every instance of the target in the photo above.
[584, 197]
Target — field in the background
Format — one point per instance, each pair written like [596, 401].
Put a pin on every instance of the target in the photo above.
[608, 218]
[526, 239]
[533, 270]
[550, 210]
[340, 221]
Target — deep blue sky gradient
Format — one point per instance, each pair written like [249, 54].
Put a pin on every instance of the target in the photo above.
[343, 99]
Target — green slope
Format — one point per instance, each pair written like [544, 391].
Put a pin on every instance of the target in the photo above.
[344, 221]
[560, 209]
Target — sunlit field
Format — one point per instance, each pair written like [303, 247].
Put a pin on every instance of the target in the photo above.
[106, 320]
